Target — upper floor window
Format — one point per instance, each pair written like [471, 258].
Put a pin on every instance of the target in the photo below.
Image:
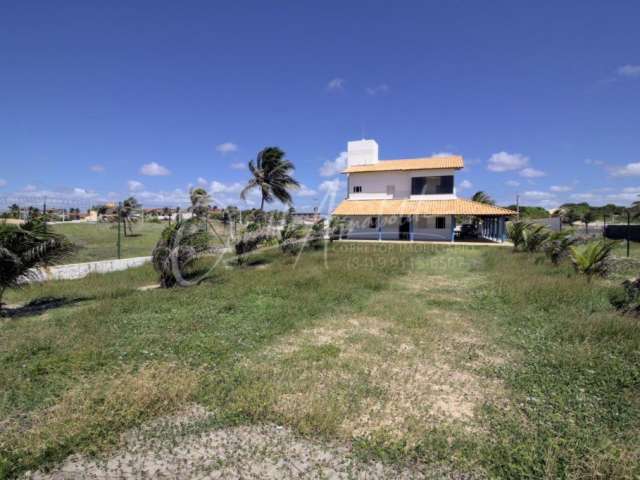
[357, 189]
[431, 185]
[441, 223]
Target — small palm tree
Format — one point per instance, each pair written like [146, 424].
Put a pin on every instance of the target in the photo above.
[515, 231]
[534, 237]
[271, 173]
[557, 248]
[127, 213]
[587, 218]
[14, 211]
[24, 248]
[179, 246]
[200, 201]
[483, 197]
[592, 258]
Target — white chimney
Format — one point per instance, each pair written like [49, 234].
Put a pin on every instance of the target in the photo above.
[362, 152]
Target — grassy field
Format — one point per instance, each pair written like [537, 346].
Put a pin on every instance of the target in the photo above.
[431, 360]
[99, 241]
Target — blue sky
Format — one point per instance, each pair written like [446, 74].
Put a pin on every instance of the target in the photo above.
[100, 99]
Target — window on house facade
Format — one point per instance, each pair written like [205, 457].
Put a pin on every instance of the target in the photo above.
[373, 222]
[357, 189]
[441, 222]
[431, 185]
[391, 190]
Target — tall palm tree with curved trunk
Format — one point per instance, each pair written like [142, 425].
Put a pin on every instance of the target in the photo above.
[483, 197]
[271, 173]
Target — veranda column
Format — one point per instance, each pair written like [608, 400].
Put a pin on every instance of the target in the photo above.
[379, 228]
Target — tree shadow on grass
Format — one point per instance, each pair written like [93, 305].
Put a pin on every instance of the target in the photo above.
[39, 305]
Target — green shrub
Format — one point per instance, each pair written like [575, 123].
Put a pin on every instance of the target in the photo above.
[592, 258]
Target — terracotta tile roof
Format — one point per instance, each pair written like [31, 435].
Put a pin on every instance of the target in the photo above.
[458, 206]
[426, 163]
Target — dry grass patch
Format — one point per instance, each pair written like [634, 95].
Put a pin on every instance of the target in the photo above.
[111, 404]
[363, 376]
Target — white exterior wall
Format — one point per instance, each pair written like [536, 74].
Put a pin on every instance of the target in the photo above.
[359, 228]
[374, 185]
[430, 232]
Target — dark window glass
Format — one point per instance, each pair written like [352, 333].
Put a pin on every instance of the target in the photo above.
[431, 185]
[357, 189]
[441, 222]
[373, 222]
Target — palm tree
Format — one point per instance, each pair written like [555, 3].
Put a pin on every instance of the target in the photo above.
[200, 201]
[14, 210]
[179, 246]
[592, 258]
[558, 245]
[587, 218]
[483, 197]
[272, 175]
[515, 231]
[24, 248]
[127, 211]
[534, 237]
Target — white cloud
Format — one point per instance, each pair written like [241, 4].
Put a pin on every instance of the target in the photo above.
[531, 173]
[154, 170]
[331, 186]
[378, 89]
[629, 170]
[227, 147]
[442, 154]
[219, 187]
[3, 182]
[97, 168]
[630, 71]
[560, 188]
[538, 194]
[202, 182]
[335, 85]
[30, 188]
[590, 161]
[465, 184]
[504, 162]
[305, 191]
[512, 183]
[584, 196]
[332, 167]
[238, 165]
[134, 185]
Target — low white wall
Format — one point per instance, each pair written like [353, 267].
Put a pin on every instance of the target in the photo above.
[80, 270]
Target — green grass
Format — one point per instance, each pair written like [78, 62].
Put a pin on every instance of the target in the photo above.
[474, 358]
[99, 241]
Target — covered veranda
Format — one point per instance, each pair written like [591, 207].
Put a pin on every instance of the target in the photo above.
[419, 220]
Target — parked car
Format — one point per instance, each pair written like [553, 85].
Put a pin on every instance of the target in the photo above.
[469, 230]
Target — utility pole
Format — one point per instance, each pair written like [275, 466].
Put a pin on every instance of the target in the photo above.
[119, 216]
[628, 230]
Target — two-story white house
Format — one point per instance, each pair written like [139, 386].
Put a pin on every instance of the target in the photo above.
[410, 199]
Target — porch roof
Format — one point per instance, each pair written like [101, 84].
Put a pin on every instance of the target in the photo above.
[457, 206]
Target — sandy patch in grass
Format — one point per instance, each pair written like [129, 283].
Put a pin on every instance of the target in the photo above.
[182, 447]
[357, 377]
